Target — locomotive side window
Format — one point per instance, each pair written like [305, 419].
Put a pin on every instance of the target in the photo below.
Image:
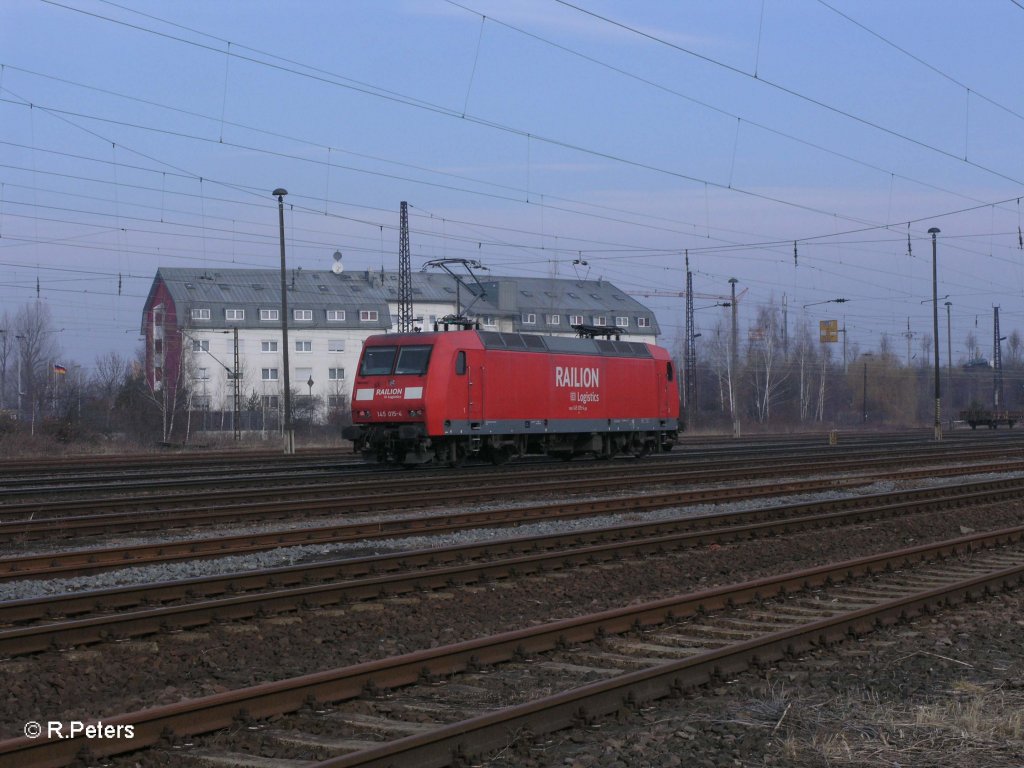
[412, 360]
[668, 370]
[460, 364]
[377, 361]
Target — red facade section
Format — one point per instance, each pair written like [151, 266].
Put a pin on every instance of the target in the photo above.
[163, 339]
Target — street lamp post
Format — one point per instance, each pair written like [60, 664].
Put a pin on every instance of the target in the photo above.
[935, 332]
[289, 434]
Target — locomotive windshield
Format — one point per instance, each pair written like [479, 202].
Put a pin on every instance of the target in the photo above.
[381, 361]
[377, 361]
[412, 360]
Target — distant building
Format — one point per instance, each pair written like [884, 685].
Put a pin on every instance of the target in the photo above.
[191, 314]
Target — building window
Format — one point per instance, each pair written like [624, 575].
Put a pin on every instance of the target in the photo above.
[268, 346]
[201, 403]
[203, 374]
[600, 320]
[269, 374]
[234, 314]
[270, 402]
[553, 319]
[489, 321]
[200, 345]
[302, 375]
[201, 314]
[335, 345]
[303, 345]
[337, 401]
[622, 322]
[303, 314]
[335, 315]
[270, 314]
[575, 319]
[529, 318]
[643, 322]
[336, 374]
[368, 316]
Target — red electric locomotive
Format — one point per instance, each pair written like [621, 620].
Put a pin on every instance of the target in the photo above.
[440, 397]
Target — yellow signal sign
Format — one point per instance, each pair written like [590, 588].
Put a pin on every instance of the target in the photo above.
[828, 331]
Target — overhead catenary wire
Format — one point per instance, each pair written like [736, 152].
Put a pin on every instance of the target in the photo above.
[450, 233]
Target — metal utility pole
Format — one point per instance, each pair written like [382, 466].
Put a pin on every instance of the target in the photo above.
[935, 334]
[404, 273]
[236, 374]
[289, 434]
[785, 327]
[734, 364]
[949, 365]
[690, 353]
[997, 362]
[864, 408]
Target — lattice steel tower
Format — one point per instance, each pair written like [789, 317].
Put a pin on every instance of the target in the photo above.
[404, 273]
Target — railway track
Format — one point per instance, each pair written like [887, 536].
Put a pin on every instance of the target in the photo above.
[22, 494]
[30, 521]
[318, 585]
[95, 559]
[597, 664]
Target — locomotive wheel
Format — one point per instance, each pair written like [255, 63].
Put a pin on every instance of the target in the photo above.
[456, 455]
[499, 456]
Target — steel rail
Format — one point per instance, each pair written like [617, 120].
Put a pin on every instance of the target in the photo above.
[215, 507]
[451, 744]
[505, 559]
[91, 560]
[229, 476]
[210, 713]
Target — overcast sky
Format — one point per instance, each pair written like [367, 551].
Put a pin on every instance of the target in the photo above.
[528, 134]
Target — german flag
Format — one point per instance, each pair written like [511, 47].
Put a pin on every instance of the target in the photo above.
[60, 369]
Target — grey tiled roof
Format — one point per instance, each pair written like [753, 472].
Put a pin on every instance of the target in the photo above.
[320, 290]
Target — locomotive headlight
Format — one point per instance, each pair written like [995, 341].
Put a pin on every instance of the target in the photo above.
[364, 414]
[416, 412]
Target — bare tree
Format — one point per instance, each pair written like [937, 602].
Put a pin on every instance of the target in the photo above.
[37, 352]
[1013, 349]
[110, 377]
[926, 349]
[7, 355]
[765, 358]
[971, 342]
[172, 392]
[804, 356]
[717, 354]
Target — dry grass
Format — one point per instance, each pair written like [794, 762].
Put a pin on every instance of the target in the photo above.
[973, 726]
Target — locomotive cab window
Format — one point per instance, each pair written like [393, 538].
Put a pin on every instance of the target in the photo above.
[412, 360]
[377, 361]
[460, 364]
[668, 371]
